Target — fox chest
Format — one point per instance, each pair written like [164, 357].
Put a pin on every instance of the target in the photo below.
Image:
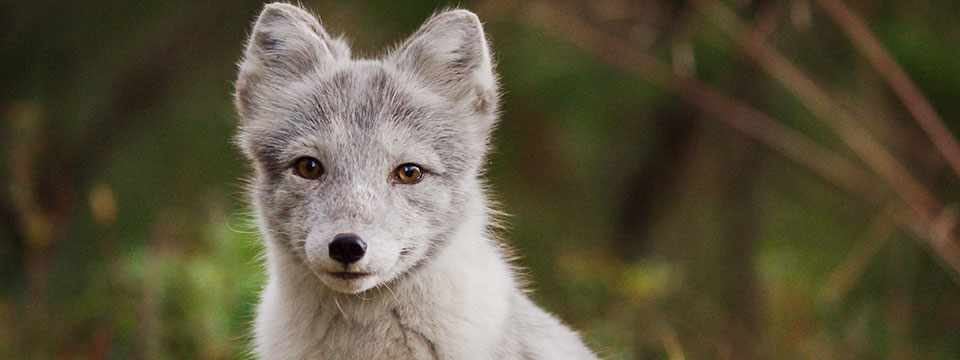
[388, 338]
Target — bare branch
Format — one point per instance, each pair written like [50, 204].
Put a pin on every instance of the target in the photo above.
[855, 136]
[846, 274]
[929, 211]
[898, 80]
[736, 114]
[924, 208]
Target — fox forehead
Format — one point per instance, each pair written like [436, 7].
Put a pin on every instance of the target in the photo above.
[366, 107]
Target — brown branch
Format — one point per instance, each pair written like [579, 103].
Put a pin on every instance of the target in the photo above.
[742, 117]
[855, 136]
[924, 208]
[928, 209]
[898, 80]
[846, 274]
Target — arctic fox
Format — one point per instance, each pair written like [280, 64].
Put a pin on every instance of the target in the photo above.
[368, 194]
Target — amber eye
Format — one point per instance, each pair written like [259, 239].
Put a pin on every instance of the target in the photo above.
[409, 173]
[308, 168]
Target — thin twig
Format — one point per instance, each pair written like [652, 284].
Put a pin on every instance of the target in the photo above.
[738, 115]
[928, 209]
[755, 124]
[855, 136]
[898, 80]
[846, 274]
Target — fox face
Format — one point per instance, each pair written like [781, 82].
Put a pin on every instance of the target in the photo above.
[363, 168]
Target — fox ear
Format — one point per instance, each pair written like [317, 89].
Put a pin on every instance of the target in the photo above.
[450, 53]
[286, 43]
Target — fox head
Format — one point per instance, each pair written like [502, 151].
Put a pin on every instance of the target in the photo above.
[364, 167]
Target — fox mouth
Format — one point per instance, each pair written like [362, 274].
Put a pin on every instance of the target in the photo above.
[347, 275]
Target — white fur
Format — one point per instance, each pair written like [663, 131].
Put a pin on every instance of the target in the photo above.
[440, 286]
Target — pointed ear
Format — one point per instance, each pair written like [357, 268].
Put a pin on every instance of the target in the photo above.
[451, 55]
[286, 43]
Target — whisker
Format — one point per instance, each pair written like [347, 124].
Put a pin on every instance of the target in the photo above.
[335, 301]
[395, 297]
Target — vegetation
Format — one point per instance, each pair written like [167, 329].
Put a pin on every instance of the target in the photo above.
[703, 179]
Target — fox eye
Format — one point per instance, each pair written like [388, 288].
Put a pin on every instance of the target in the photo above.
[308, 168]
[409, 173]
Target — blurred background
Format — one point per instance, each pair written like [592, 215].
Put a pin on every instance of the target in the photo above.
[726, 179]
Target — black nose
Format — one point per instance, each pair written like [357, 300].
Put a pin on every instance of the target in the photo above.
[347, 248]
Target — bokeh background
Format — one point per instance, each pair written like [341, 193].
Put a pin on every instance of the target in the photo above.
[728, 179]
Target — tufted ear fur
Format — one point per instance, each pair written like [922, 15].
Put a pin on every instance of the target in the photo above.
[450, 53]
[287, 42]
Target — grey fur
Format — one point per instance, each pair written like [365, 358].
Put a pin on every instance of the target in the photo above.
[439, 285]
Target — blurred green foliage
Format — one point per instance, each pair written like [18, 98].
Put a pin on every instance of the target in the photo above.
[655, 230]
